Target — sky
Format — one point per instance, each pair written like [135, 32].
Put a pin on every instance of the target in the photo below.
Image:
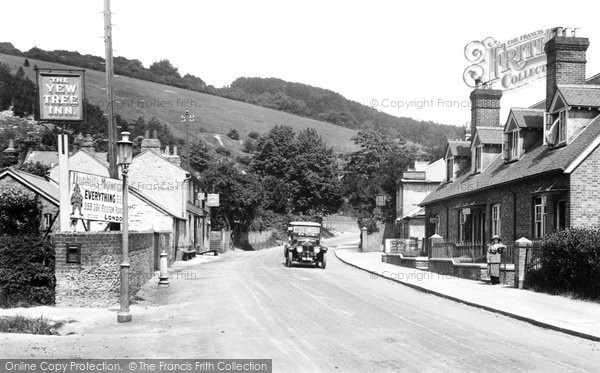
[404, 58]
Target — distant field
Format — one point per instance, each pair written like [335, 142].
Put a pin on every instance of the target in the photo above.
[216, 115]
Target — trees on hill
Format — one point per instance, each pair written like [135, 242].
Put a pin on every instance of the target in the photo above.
[298, 172]
[373, 170]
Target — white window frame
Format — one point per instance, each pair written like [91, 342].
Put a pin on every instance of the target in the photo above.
[450, 170]
[462, 219]
[563, 117]
[559, 211]
[539, 216]
[478, 161]
[515, 145]
[496, 220]
[47, 219]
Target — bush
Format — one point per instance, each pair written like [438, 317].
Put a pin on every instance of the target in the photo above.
[19, 213]
[244, 159]
[249, 146]
[570, 263]
[27, 271]
[233, 134]
[223, 151]
[254, 135]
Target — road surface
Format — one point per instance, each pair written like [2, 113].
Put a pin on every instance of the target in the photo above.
[341, 319]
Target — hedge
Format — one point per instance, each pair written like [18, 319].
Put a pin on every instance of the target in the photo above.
[27, 271]
[570, 263]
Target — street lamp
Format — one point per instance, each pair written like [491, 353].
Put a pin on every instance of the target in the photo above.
[125, 150]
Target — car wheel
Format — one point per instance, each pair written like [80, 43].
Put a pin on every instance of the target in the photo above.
[288, 261]
[324, 261]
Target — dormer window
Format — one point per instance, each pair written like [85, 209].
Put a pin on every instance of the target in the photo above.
[514, 146]
[449, 169]
[478, 159]
[562, 126]
[557, 134]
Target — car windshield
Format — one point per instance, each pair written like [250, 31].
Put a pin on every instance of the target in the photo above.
[304, 231]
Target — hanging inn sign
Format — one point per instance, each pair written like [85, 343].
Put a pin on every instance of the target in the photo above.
[61, 94]
[507, 65]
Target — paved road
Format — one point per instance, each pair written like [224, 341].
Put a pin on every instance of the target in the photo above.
[248, 304]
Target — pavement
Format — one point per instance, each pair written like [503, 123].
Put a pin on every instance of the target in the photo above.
[560, 313]
[248, 304]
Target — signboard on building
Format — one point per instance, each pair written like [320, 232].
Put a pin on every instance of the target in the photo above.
[381, 200]
[507, 65]
[94, 197]
[212, 200]
[61, 94]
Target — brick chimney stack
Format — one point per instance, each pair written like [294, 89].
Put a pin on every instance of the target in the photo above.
[10, 155]
[172, 156]
[88, 145]
[150, 143]
[566, 59]
[485, 108]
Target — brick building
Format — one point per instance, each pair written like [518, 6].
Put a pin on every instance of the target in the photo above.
[415, 184]
[159, 175]
[537, 172]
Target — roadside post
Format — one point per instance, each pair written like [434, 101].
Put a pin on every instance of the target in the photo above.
[522, 245]
[163, 278]
[363, 237]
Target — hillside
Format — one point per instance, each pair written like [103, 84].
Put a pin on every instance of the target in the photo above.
[295, 98]
[214, 115]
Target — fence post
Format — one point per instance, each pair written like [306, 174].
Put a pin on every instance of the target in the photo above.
[521, 246]
[363, 238]
[432, 241]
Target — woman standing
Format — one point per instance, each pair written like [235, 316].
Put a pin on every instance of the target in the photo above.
[494, 258]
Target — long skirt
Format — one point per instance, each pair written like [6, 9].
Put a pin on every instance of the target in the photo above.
[494, 269]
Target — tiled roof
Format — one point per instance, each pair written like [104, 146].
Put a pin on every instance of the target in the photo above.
[540, 159]
[102, 157]
[528, 118]
[581, 94]
[459, 148]
[37, 183]
[490, 135]
[44, 157]
[418, 211]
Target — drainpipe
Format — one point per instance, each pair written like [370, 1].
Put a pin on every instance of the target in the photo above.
[447, 221]
[514, 194]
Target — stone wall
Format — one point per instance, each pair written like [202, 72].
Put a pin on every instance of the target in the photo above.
[257, 240]
[95, 281]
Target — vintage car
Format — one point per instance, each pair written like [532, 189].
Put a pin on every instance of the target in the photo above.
[304, 244]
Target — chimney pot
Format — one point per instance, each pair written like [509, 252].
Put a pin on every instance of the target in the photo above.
[167, 150]
[147, 134]
[175, 150]
[155, 134]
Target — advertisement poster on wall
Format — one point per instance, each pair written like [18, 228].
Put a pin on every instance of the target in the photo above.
[96, 198]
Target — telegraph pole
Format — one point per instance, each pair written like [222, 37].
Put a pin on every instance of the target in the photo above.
[112, 138]
[187, 118]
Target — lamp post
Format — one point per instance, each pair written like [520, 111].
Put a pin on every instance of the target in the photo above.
[125, 150]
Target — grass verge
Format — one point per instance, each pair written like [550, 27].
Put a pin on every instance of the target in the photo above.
[27, 325]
